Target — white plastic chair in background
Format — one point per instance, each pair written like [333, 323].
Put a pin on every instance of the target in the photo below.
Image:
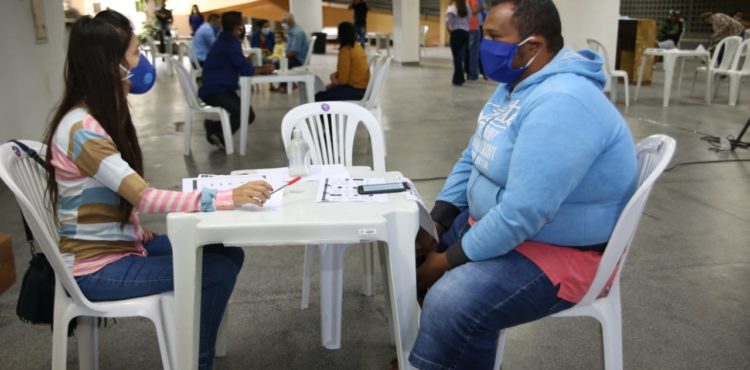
[194, 105]
[737, 72]
[612, 75]
[155, 53]
[308, 57]
[329, 129]
[28, 181]
[654, 154]
[715, 68]
[186, 50]
[423, 38]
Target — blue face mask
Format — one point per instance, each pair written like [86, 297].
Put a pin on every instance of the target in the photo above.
[142, 77]
[497, 60]
[217, 29]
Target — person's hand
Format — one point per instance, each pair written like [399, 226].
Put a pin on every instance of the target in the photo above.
[254, 192]
[148, 235]
[424, 243]
[432, 269]
[265, 69]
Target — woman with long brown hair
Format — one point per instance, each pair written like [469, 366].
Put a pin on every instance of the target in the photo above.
[96, 181]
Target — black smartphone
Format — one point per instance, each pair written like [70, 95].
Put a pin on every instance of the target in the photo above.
[392, 187]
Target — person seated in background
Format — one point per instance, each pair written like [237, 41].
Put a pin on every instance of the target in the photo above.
[528, 209]
[297, 44]
[279, 48]
[205, 37]
[222, 69]
[263, 38]
[723, 26]
[352, 72]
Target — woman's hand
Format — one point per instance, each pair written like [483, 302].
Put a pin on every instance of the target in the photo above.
[425, 243]
[149, 235]
[254, 192]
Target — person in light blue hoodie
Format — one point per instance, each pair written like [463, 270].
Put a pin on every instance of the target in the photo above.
[527, 210]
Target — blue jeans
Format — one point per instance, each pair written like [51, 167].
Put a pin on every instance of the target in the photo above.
[465, 310]
[135, 276]
[361, 32]
[459, 43]
[340, 92]
[475, 37]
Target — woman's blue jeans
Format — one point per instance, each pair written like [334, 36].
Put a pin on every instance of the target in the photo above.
[135, 276]
[464, 311]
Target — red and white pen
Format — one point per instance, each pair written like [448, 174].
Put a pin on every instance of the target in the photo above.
[290, 182]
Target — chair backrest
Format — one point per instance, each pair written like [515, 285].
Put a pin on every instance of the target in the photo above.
[730, 45]
[742, 51]
[374, 64]
[329, 129]
[376, 93]
[27, 180]
[191, 94]
[599, 48]
[654, 154]
[423, 35]
[310, 45]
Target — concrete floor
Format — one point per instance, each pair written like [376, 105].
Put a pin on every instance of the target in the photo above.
[684, 286]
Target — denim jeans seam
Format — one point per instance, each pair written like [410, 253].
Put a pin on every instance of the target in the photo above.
[123, 281]
[495, 307]
[429, 363]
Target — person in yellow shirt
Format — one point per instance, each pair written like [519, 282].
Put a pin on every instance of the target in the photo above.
[278, 48]
[349, 82]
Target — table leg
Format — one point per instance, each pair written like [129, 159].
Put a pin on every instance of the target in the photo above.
[402, 228]
[245, 95]
[640, 76]
[331, 291]
[669, 62]
[679, 78]
[307, 95]
[188, 265]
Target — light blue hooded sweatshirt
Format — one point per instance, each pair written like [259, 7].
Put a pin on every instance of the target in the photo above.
[551, 161]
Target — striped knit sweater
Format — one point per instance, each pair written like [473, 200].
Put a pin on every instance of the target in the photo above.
[91, 176]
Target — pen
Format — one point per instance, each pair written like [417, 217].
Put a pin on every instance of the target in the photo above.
[292, 181]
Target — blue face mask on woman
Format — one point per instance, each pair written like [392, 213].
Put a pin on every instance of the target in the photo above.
[497, 60]
[142, 77]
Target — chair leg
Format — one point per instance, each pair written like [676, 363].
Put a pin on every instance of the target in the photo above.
[500, 348]
[734, 89]
[220, 348]
[627, 93]
[306, 273]
[612, 337]
[226, 129]
[613, 90]
[331, 290]
[88, 343]
[59, 342]
[368, 251]
[692, 87]
[188, 127]
[383, 256]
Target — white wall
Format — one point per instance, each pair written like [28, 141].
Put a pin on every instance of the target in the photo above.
[308, 14]
[31, 80]
[597, 19]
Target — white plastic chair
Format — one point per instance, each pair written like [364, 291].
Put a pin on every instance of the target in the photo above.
[423, 38]
[612, 75]
[375, 98]
[308, 57]
[155, 53]
[714, 69]
[329, 129]
[194, 105]
[738, 71]
[28, 181]
[654, 154]
[186, 50]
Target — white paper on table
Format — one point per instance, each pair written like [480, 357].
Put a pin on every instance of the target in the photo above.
[229, 182]
[345, 190]
[700, 48]
[425, 220]
[316, 172]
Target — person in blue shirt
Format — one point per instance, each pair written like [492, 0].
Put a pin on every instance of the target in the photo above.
[534, 196]
[222, 69]
[264, 38]
[205, 37]
[296, 44]
[196, 19]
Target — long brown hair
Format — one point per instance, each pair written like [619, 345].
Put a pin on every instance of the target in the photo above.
[93, 79]
[462, 8]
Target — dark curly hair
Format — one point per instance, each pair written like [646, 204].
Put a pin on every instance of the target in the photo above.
[537, 17]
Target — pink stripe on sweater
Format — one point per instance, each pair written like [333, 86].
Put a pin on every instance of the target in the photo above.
[161, 201]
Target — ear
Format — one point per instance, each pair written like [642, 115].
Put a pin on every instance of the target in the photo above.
[534, 44]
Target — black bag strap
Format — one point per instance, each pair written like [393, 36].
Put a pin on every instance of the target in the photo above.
[36, 157]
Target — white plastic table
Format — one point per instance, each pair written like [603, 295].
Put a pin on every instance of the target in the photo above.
[300, 221]
[257, 54]
[307, 94]
[670, 60]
